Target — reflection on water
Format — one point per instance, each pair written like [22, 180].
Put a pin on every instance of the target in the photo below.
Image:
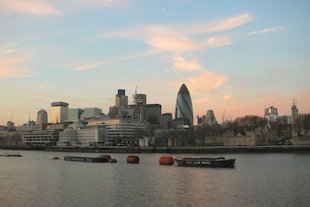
[258, 180]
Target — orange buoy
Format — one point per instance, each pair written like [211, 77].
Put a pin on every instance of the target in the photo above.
[166, 160]
[133, 159]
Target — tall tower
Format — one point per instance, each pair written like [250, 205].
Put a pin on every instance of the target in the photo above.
[121, 99]
[42, 118]
[139, 105]
[59, 112]
[184, 108]
[294, 112]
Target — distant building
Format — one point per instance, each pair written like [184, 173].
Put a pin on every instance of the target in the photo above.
[43, 138]
[300, 124]
[74, 115]
[139, 98]
[90, 135]
[208, 119]
[271, 114]
[10, 126]
[184, 108]
[42, 119]
[121, 100]
[59, 112]
[166, 121]
[90, 113]
[30, 126]
[138, 106]
[153, 113]
[122, 131]
[180, 123]
[120, 110]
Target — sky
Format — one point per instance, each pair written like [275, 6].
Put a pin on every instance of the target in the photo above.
[236, 57]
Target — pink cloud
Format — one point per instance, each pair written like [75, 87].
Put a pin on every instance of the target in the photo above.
[182, 64]
[163, 38]
[179, 38]
[12, 62]
[226, 24]
[12, 68]
[203, 83]
[31, 7]
[219, 41]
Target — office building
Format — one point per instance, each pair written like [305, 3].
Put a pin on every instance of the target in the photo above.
[153, 113]
[184, 108]
[208, 119]
[43, 138]
[121, 100]
[59, 112]
[90, 113]
[74, 115]
[42, 118]
[139, 98]
[123, 131]
[166, 121]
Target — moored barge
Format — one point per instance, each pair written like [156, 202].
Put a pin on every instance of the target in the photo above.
[219, 162]
[102, 158]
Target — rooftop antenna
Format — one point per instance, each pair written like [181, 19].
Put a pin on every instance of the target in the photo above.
[12, 116]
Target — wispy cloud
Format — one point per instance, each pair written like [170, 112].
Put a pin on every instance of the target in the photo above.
[182, 64]
[180, 38]
[219, 41]
[88, 66]
[218, 26]
[268, 30]
[34, 7]
[204, 82]
[13, 68]
[12, 62]
[93, 65]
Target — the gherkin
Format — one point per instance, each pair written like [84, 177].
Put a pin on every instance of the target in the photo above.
[184, 108]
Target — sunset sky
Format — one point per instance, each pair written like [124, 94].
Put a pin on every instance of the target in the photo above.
[237, 57]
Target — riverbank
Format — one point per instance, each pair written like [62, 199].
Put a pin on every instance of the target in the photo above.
[170, 150]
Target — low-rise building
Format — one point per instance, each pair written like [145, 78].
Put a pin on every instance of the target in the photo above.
[46, 138]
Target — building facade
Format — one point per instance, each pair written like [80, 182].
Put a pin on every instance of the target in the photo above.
[153, 114]
[90, 113]
[42, 138]
[59, 112]
[42, 118]
[166, 121]
[271, 114]
[121, 100]
[74, 115]
[208, 119]
[123, 131]
[184, 108]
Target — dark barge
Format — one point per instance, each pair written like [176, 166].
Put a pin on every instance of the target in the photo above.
[102, 158]
[219, 162]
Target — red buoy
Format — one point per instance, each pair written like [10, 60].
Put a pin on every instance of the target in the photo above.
[133, 159]
[166, 160]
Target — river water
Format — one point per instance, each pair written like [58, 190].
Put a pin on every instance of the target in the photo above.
[258, 180]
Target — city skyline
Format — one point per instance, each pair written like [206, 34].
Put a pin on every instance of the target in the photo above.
[237, 57]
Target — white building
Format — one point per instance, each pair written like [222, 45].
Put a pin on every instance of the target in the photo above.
[59, 112]
[41, 138]
[84, 135]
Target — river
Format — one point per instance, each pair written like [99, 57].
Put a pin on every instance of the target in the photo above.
[270, 179]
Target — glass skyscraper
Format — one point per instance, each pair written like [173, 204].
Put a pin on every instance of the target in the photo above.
[184, 108]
